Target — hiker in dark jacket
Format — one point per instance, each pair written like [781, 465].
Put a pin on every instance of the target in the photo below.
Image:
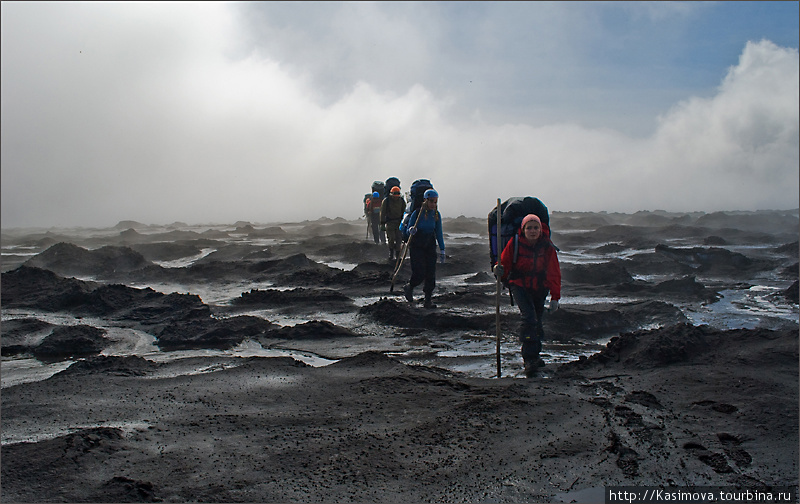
[529, 263]
[392, 210]
[424, 231]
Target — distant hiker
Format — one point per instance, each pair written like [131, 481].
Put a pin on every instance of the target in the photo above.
[392, 210]
[424, 231]
[375, 217]
[389, 184]
[367, 212]
[529, 263]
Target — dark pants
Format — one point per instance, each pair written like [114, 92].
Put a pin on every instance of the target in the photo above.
[531, 307]
[394, 236]
[377, 234]
[423, 261]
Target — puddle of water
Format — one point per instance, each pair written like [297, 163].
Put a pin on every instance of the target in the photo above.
[185, 261]
[743, 309]
[19, 371]
[342, 265]
[213, 294]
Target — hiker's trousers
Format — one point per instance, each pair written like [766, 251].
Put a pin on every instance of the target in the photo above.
[393, 235]
[377, 234]
[531, 307]
[423, 261]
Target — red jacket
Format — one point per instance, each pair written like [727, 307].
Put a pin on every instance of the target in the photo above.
[537, 265]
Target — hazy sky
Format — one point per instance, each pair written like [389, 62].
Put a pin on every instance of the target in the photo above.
[218, 112]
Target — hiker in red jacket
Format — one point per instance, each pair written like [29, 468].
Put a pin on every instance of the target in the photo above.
[529, 264]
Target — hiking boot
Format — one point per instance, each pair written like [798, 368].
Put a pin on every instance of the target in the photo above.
[428, 302]
[409, 292]
[532, 365]
[530, 370]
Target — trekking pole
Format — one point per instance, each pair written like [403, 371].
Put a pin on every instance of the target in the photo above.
[405, 251]
[497, 302]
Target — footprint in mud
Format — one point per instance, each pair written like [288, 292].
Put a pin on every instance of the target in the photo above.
[652, 434]
[730, 444]
[644, 398]
[630, 417]
[716, 461]
[627, 458]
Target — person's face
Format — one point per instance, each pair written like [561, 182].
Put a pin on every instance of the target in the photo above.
[533, 230]
[432, 202]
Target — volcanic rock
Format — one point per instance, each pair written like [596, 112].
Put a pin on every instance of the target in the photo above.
[21, 335]
[69, 259]
[110, 365]
[596, 274]
[211, 332]
[71, 341]
[315, 329]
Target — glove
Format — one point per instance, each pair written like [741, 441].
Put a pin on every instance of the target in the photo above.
[412, 231]
[498, 270]
[383, 227]
[441, 256]
[553, 305]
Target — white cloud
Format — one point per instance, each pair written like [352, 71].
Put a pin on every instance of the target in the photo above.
[157, 122]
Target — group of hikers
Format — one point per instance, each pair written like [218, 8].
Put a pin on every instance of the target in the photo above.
[524, 259]
[418, 224]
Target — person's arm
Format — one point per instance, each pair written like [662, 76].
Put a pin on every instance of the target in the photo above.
[383, 211]
[406, 230]
[507, 258]
[438, 229]
[552, 278]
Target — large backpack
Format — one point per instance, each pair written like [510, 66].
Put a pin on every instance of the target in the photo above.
[512, 211]
[379, 187]
[367, 199]
[417, 196]
[390, 182]
[415, 199]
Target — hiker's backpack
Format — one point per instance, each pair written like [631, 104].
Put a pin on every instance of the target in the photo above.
[512, 211]
[390, 182]
[417, 195]
[415, 199]
[379, 187]
[367, 200]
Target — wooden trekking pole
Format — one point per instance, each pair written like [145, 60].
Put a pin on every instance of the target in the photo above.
[405, 251]
[497, 302]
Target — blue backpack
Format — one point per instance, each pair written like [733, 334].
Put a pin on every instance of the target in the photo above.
[512, 211]
[416, 197]
[418, 189]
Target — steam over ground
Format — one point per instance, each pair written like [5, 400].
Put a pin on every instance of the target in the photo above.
[218, 112]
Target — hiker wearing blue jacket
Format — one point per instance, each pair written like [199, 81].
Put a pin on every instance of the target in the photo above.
[423, 233]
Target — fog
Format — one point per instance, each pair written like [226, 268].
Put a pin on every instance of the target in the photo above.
[220, 112]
